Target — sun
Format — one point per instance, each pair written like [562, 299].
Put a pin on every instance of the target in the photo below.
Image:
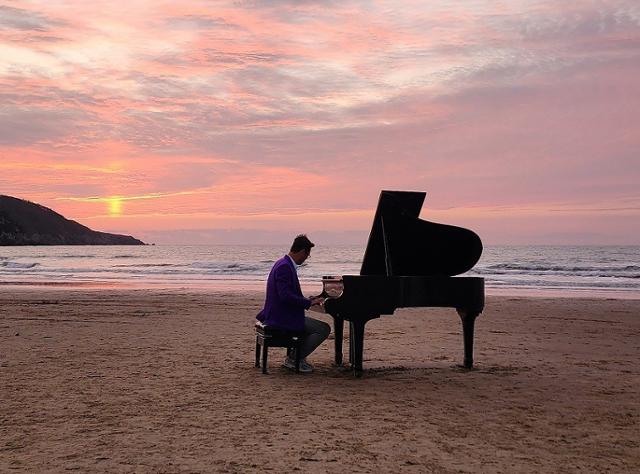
[115, 206]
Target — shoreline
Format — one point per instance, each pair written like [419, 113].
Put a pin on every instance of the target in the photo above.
[312, 288]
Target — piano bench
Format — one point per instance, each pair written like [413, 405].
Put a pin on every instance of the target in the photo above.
[267, 337]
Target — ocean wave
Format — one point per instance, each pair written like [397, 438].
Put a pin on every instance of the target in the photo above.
[630, 286]
[228, 266]
[558, 268]
[76, 255]
[25, 256]
[149, 269]
[18, 265]
[149, 265]
[574, 274]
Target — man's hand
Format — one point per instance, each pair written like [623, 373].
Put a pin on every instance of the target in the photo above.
[317, 300]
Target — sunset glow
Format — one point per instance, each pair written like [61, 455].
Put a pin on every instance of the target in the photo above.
[520, 120]
[115, 206]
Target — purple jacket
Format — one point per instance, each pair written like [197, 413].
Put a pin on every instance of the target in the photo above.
[284, 304]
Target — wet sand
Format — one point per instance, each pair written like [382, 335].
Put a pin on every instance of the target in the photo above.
[163, 381]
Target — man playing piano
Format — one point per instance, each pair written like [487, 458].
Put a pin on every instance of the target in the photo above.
[285, 305]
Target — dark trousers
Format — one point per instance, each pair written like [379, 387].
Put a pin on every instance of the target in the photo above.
[315, 333]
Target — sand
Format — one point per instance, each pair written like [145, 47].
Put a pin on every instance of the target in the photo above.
[163, 381]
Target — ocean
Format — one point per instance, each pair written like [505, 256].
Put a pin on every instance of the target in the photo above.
[594, 271]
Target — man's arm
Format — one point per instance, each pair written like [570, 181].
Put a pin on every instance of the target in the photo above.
[285, 287]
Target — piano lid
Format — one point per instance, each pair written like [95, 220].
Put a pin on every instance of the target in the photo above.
[402, 244]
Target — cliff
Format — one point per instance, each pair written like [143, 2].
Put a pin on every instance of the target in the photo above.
[26, 223]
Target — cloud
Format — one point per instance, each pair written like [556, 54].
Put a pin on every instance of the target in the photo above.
[198, 22]
[569, 22]
[20, 126]
[26, 20]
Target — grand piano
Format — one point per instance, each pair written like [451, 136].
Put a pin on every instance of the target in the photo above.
[408, 262]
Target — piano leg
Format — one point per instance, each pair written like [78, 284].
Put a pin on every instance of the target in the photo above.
[356, 345]
[338, 332]
[468, 322]
[351, 358]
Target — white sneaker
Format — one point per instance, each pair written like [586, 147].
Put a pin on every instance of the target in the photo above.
[305, 367]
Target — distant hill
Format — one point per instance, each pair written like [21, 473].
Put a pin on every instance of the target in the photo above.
[26, 223]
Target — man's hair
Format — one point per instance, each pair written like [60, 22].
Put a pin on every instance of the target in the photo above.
[301, 242]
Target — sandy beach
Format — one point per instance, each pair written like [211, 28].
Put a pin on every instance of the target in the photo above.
[163, 381]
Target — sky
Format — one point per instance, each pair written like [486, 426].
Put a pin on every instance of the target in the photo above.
[252, 121]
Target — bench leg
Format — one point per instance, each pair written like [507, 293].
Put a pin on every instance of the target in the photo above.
[257, 353]
[265, 349]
